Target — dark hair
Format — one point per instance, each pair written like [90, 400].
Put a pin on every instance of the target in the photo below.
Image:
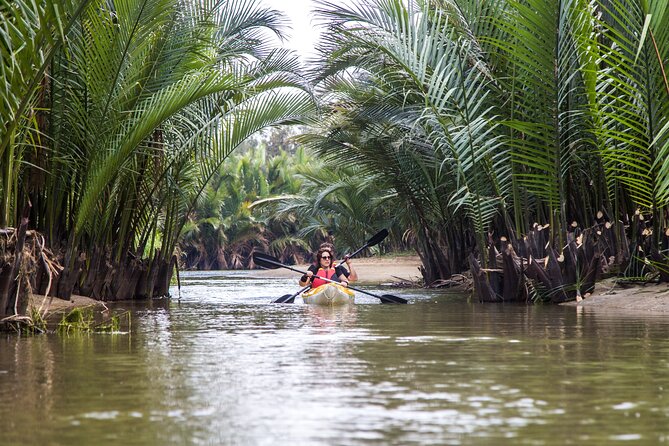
[325, 247]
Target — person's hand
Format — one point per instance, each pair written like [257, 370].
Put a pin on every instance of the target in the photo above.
[347, 260]
[307, 277]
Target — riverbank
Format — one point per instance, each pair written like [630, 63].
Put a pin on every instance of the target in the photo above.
[60, 305]
[609, 294]
[46, 312]
[51, 308]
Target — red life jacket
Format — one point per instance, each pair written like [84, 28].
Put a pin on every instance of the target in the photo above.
[329, 274]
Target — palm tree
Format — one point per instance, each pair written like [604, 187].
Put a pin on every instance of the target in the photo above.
[337, 203]
[31, 34]
[227, 227]
[513, 112]
[631, 107]
[417, 111]
[145, 100]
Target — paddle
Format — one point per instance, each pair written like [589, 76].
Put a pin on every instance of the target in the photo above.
[270, 262]
[290, 298]
[375, 240]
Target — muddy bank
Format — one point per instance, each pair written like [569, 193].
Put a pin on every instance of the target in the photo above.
[611, 295]
[56, 305]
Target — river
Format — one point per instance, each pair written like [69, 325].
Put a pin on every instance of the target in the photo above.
[224, 366]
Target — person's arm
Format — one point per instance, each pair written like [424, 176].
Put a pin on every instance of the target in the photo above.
[304, 280]
[352, 276]
[343, 280]
[343, 275]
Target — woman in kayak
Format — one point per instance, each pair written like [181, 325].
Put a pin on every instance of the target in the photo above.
[323, 268]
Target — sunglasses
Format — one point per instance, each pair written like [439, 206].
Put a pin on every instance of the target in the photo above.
[325, 257]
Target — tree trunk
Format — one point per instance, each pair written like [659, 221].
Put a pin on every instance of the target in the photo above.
[557, 281]
[124, 288]
[147, 281]
[94, 274]
[434, 257]
[481, 285]
[162, 286]
[5, 280]
[69, 279]
[15, 295]
[514, 289]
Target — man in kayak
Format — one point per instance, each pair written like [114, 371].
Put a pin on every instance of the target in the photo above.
[323, 268]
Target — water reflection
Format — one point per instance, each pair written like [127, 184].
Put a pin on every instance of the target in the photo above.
[223, 365]
[332, 318]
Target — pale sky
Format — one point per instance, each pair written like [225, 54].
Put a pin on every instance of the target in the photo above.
[303, 35]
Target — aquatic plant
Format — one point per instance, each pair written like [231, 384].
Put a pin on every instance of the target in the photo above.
[82, 320]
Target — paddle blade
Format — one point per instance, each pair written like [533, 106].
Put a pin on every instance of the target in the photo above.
[375, 240]
[390, 299]
[290, 298]
[285, 299]
[266, 261]
[378, 237]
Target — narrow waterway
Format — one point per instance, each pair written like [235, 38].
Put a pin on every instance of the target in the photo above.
[223, 366]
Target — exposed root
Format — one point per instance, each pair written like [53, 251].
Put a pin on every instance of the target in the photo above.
[456, 280]
[20, 324]
[23, 258]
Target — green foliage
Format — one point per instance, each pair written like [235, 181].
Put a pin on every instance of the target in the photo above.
[416, 114]
[82, 320]
[345, 204]
[225, 229]
[39, 324]
[449, 119]
[489, 116]
[77, 320]
[134, 107]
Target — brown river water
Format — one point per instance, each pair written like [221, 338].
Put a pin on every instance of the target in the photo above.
[224, 366]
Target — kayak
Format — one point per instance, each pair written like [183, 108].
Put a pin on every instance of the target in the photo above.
[329, 294]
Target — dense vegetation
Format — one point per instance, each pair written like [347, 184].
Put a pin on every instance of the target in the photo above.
[271, 196]
[116, 115]
[492, 119]
[458, 123]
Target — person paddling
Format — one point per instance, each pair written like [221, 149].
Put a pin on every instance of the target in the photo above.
[324, 268]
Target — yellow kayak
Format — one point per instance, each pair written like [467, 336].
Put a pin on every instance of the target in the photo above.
[329, 294]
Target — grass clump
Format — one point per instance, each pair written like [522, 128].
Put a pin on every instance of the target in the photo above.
[81, 320]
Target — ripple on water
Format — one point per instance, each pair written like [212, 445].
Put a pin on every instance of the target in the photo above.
[223, 365]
